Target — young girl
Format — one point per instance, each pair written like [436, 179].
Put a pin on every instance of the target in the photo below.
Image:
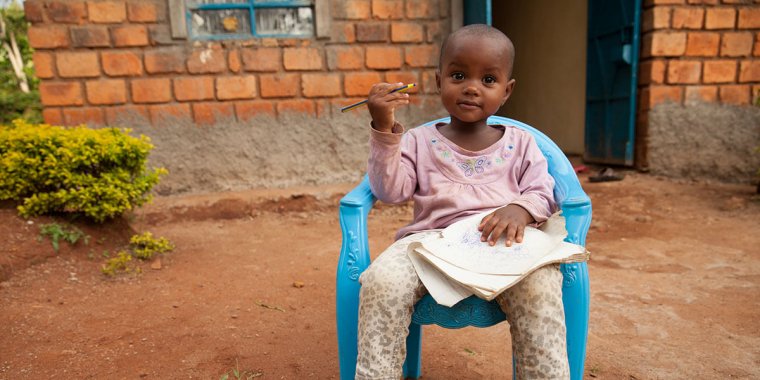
[452, 171]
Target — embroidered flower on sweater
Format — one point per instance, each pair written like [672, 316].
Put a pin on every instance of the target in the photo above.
[472, 166]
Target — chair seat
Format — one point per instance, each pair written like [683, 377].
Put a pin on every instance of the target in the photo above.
[471, 311]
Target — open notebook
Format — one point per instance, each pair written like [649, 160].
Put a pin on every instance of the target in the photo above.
[455, 264]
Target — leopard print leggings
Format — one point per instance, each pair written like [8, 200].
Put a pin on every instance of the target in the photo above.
[390, 288]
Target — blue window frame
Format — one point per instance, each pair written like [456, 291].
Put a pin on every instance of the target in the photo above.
[227, 19]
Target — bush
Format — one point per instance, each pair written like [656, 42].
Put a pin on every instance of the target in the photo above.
[96, 173]
[145, 245]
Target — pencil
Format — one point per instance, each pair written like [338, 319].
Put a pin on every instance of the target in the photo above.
[363, 102]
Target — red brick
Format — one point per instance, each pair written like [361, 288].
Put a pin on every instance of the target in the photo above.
[142, 11]
[279, 85]
[653, 95]
[70, 12]
[687, 18]
[165, 61]
[684, 72]
[345, 57]
[697, 94]
[702, 44]
[77, 65]
[117, 64]
[154, 90]
[422, 56]
[296, 106]
[342, 32]
[206, 61]
[209, 113]
[248, 110]
[34, 11]
[734, 94]
[261, 59]
[108, 91]
[434, 32]
[648, 3]
[749, 71]
[428, 82]
[664, 44]
[720, 18]
[236, 87]
[233, 61]
[83, 115]
[723, 71]
[107, 12]
[407, 32]
[351, 9]
[736, 44]
[323, 108]
[43, 65]
[421, 9]
[127, 116]
[48, 37]
[372, 32]
[380, 57]
[705, 2]
[749, 18]
[359, 84]
[655, 18]
[130, 35]
[302, 59]
[405, 77]
[388, 9]
[61, 93]
[160, 34]
[52, 116]
[170, 114]
[90, 36]
[652, 72]
[321, 85]
[194, 88]
[756, 49]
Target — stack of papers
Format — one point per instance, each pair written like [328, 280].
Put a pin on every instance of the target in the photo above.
[455, 264]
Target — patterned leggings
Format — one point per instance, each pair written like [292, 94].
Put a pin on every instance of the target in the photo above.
[390, 288]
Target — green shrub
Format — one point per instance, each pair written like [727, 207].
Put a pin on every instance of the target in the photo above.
[98, 173]
[58, 232]
[120, 263]
[145, 245]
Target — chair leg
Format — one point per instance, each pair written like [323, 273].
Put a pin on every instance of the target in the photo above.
[413, 362]
[575, 296]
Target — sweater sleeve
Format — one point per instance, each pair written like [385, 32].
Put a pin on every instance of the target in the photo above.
[391, 168]
[535, 184]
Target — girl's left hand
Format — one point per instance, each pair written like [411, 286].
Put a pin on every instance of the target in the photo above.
[509, 221]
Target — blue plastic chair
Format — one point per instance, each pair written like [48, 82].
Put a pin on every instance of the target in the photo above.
[354, 259]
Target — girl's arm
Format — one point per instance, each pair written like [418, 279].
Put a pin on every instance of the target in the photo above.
[535, 184]
[391, 168]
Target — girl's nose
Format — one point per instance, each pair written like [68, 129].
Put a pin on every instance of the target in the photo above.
[471, 89]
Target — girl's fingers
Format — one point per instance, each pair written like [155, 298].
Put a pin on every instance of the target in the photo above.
[520, 233]
[511, 231]
[484, 221]
[496, 233]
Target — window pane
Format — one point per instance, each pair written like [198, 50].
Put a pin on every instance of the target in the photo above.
[226, 21]
[280, 21]
[196, 3]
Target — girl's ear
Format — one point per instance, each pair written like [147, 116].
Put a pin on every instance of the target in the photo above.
[438, 80]
[508, 92]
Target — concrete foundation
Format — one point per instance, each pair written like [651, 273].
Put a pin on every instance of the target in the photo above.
[267, 152]
[705, 141]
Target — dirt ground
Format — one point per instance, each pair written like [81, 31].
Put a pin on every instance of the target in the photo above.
[675, 290]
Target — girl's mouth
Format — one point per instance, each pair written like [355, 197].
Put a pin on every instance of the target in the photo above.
[468, 105]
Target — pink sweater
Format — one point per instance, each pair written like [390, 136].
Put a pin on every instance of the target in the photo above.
[449, 183]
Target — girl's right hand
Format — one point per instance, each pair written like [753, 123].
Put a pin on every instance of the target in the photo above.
[382, 103]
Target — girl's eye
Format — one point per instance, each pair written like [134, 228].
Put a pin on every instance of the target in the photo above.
[457, 76]
[489, 80]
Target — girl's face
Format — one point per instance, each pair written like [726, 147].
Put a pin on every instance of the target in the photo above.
[474, 79]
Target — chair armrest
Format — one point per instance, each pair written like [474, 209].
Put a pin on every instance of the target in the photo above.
[577, 213]
[354, 253]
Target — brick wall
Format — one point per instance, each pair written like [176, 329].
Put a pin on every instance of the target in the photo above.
[699, 57]
[700, 51]
[115, 61]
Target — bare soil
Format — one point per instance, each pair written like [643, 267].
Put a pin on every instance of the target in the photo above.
[675, 279]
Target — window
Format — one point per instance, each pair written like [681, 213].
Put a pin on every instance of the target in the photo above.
[225, 19]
